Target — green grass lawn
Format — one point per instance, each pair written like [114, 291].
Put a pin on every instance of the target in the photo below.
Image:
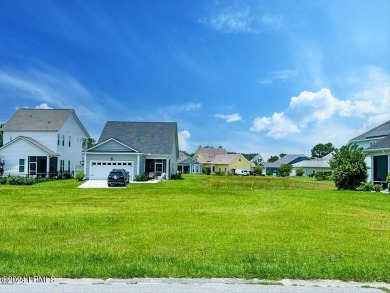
[202, 226]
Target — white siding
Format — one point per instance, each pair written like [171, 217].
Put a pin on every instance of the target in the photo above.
[73, 153]
[47, 138]
[18, 150]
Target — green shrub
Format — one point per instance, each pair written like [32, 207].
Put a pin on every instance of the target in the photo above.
[220, 173]
[299, 172]
[206, 170]
[141, 178]
[176, 176]
[368, 186]
[18, 180]
[285, 170]
[320, 176]
[3, 180]
[258, 169]
[377, 188]
[29, 181]
[79, 176]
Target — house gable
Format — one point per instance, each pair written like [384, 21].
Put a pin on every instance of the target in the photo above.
[111, 145]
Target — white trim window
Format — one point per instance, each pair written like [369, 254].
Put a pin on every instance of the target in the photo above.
[21, 165]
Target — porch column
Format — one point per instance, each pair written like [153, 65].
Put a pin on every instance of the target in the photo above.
[85, 164]
[167, 169]
[47, 166]
[138, 156]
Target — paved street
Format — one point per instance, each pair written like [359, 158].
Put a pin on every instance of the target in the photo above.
[172, 285]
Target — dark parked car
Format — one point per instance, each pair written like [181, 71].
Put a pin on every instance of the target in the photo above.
[118, 177]
[253, 173]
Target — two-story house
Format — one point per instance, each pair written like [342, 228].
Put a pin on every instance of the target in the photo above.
[42, 142]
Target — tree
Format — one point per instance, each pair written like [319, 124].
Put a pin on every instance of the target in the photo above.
[285, 170]
[89, 142]
[349, 168]
[1, 135]
[321, 150]
[273, 159]
[258, 169]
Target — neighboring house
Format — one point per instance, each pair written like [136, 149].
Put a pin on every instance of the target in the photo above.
[313, 165]
[273, 167]
[376, 144]
[206, 155]
[229, 162]
[187, 165]
[42, 142]
[141, 148]
[257, 159]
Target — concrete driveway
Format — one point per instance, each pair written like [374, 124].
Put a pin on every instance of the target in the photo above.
[96, 184]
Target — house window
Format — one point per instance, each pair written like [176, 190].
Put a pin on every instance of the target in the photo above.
[62, 166]
[69, 166]
[58, 139]
[21, 165]
[63, 140]
[69, 141]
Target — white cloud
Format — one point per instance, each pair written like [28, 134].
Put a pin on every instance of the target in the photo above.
[229, 118]
[281, 75]
[278, 125]
[231, 20]
[313, 108]
[274, 21]
[241, 19]
[183, 137]
[43, 106]
[57, 88]
[183, 108]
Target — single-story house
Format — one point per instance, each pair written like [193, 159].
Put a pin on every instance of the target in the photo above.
[141, 148]
[273, 167]
[376, 144]
[229, 162]
[313, 165]
[187, 165]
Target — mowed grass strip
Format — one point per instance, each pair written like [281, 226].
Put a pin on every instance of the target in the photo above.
[202, 226]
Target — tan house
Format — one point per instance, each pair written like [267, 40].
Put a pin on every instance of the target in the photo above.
[220, 161]
[229, 162]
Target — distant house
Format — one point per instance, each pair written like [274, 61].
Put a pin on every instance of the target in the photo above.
[187, 165]
[141, 148]
[219, 160]
[376, 144]
[42, 142]
[313, 165]
[272, 168]
[229, 162]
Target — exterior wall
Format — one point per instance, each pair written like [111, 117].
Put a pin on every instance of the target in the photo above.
[18, 150]
[240, 163]
[196, 169]
[47, 138]
[221, 168]
[309, 170]
[74, 152]
[111, 146]
[107, 157]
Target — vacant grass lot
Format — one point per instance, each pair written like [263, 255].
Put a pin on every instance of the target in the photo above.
[202, 226]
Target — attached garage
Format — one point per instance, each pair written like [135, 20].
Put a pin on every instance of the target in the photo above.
[99, 170]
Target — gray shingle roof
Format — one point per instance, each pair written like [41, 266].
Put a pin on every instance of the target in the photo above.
[287, 159]
[40, 120]
[37, 120]
[381, 130]
[225, 159]
[210, 153]
[145, 137]
[382, 144]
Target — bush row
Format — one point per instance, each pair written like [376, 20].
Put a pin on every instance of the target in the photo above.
[17, 180]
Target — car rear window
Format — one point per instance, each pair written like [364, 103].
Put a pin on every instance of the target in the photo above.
[116, 174]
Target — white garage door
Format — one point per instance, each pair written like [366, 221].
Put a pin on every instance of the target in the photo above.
[100, 169]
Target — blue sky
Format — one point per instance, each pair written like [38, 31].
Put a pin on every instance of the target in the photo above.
[251, 76]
